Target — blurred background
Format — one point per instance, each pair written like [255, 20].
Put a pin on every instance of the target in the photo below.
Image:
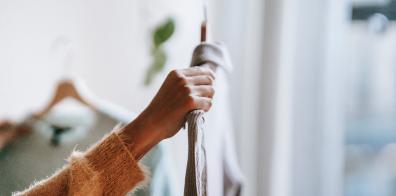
[312, 91]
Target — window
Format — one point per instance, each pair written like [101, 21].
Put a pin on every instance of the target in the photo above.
[370, 153]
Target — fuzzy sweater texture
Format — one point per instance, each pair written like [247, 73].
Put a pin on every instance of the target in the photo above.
[107, 168]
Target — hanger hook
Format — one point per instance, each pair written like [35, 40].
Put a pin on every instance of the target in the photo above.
[62, 49]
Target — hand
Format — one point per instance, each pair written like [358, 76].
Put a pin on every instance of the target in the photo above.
[182, 91]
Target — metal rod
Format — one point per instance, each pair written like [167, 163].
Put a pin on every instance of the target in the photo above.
[204, 22]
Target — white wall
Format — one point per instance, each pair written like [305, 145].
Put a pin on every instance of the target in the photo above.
[104, 43]
[108, 43]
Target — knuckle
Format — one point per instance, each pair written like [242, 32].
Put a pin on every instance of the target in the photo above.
[186, 90]
[208, 105]
[210, 79]
[179, 77]
[182, 81]
[190, 102]
[176, 73]
[199, 69]
[212, 74]
[212, 91]
[196, 67]
[208, 71]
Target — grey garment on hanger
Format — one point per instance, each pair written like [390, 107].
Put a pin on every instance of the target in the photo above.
[33, 157]
[212, 167]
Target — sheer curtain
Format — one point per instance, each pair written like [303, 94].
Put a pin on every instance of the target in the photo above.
[287, 92]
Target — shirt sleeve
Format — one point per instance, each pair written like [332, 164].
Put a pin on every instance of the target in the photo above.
[107, 168]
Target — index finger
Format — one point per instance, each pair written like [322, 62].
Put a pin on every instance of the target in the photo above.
[196, 71]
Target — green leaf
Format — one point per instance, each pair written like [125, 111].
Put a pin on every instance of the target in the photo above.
[163, 32]
[157, 65]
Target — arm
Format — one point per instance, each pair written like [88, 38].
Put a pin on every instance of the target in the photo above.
[111, 166]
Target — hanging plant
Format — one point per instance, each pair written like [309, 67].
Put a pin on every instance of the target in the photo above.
[161, 34]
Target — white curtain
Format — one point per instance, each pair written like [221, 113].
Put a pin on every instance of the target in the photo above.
[288, 90]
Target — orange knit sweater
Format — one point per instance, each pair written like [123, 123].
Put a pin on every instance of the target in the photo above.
[107, 168]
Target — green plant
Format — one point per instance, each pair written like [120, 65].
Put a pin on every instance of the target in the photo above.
[160, 35]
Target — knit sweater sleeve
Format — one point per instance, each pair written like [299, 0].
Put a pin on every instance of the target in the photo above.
[107, 168]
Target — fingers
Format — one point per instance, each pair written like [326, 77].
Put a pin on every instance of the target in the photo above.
[195, 85]
[200, 80]
[197, 71]
[200, 85]
[192, 76]
[203, 103]
[203, 91]
[200, 97]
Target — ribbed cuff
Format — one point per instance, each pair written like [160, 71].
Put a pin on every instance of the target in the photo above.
[118, 171]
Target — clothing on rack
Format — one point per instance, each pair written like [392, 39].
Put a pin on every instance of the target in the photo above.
[108, 166]
[66, 127]
[211, 157]
[196, 173]
[9, 132]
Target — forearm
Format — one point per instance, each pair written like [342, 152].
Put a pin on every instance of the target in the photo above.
[109, 167]
[140, 135]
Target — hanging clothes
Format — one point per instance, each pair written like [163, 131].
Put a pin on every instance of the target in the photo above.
[211, 158]
[55, 136]
[196, 173]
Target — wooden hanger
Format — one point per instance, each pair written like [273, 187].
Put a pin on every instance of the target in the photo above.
[65, 89]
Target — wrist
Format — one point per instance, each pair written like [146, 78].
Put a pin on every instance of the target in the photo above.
[139, 136]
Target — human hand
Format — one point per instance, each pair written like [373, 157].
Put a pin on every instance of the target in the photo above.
[182, 91]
